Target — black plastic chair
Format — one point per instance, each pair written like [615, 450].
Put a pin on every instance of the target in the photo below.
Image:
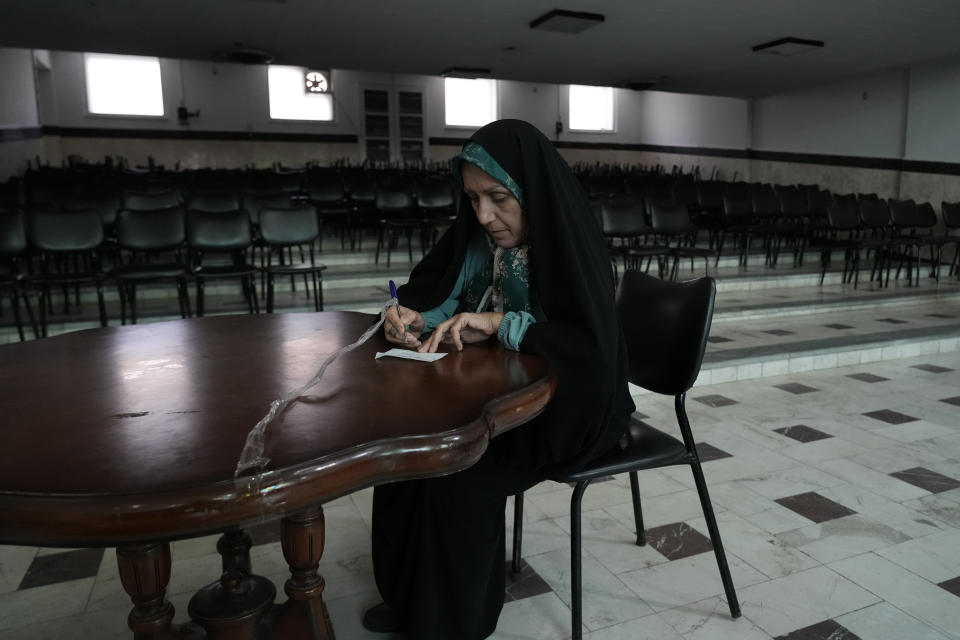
[398, 216]
[13, 248]
[213, 202]
[672, 223]
[951, 224]
[69, 246]
[149, 201]
[151, 246]
[334, 209]
[624, 225]
[666, 325]
[290, 227]
[227, 233]
[436, 202]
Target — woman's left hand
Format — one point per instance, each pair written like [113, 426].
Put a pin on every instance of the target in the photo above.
[463, 328]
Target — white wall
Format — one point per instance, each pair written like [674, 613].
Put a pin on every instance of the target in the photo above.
[862, 116]
[933, 130]
[18, 99]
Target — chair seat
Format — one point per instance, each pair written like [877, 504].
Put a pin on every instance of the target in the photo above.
[293, 269]
[646, 448]
[221, 271]
[149, 272]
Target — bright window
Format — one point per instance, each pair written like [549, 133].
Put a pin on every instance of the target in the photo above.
[470, 103]
[591, 108]
[123, 85]
[289, 99]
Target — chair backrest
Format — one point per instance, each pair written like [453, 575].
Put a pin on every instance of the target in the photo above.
[903, 213]
[434, 194]
[155, 230]
[13, 234]
[951, 214]
[669, 218]
[75, 231]
[665, 326]
[393, 198]
[218, 231]
[765, 202]
[326, 190]
[139, 201]
[926, 216]
[843, 214]
[793, 201]
[710, 194]
[290, 226]
[874, 213]
[253, 204]
[227, 201]
[737, 209]
[623, 218]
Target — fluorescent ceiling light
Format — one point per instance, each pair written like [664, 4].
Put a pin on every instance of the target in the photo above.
[567, 21]
[787, 47]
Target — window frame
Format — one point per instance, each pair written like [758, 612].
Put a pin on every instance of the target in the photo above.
[328, 95]
[472, 127]
[613, 111]
[126, 116]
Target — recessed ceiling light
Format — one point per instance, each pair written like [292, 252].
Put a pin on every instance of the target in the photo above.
[567, 21]
[789, 46]
[469, 73]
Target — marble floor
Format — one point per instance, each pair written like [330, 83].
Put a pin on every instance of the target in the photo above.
[836, 488]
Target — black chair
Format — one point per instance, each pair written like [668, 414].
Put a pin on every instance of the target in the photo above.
[228, 234]
[672, 223]
[151, 244]
[13, 249]
[666, 325]
[398, 216]
[624, 225]
[69, 245]
[334, 209]
[951, 224]
[290, 227]
[876, 225]
[844, 229]
[213, 202]
[914, 224]
[149, 201]
[437, 205]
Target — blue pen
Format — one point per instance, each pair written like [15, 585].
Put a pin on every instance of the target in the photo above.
[396, 303]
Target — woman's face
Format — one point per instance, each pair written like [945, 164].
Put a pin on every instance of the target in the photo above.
[496, 208]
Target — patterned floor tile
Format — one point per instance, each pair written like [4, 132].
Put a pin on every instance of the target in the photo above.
[61, 567]
[866, 377]
[264, 533]
[926, 479]
[715, 400]
[678, 540]
[815, 507]
[940, 315]
[955, 400]
[796, 387]
[707, 452]
[932, 368]
[892, 321]
[890, 417]
[952, 585]
[779, 332]
[826, 630]
[803, 433]
[526, 585]
[838, 326]
[718, 339]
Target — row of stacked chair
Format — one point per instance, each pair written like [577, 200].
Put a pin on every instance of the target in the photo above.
[46, 249]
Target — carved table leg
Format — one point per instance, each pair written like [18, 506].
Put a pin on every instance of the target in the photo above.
[145, 573]
[234, 608]
[304, 615]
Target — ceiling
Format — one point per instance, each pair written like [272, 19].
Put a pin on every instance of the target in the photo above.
[693, 46]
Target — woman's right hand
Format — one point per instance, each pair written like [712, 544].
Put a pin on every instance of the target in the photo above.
[403, 327]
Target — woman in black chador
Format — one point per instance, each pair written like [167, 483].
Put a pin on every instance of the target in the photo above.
[525, 263]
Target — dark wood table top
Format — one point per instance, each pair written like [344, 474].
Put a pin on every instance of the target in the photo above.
[133, 433]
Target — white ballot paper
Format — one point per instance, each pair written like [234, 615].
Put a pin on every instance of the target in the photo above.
[410, 355]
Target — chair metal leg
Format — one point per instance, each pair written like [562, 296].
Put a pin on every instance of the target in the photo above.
[517, 534]
[576, 568]
[200, 286]
[637, 511]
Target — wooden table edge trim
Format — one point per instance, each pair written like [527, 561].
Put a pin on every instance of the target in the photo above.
[63, 520]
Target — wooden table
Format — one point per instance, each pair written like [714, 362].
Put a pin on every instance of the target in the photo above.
[129, 437]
